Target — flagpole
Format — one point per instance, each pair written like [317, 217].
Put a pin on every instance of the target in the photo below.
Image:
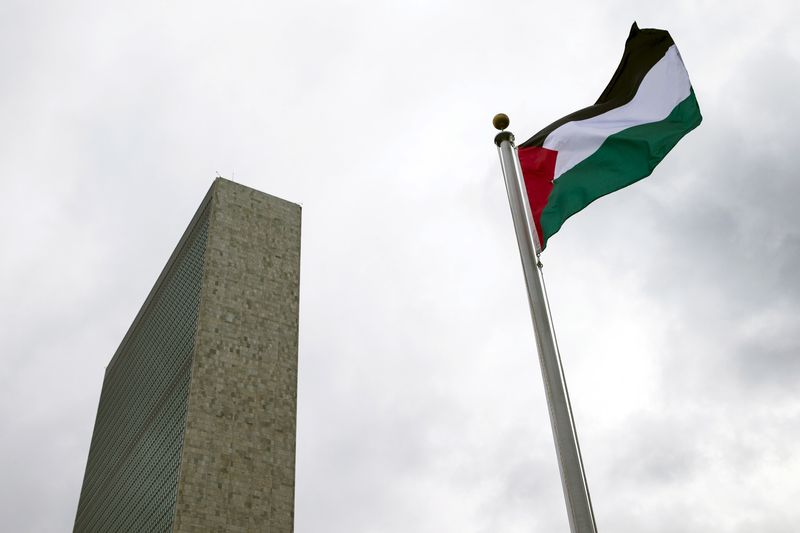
[570, 464]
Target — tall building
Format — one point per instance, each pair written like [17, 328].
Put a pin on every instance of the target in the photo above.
[195, 430]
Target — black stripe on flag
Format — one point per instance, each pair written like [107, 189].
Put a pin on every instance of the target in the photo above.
[643, 49]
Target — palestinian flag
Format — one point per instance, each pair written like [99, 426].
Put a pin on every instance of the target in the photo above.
[644, 111]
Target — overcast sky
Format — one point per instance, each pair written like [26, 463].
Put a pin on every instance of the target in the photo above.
[421, 408]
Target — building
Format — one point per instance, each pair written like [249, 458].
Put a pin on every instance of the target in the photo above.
[195, 430]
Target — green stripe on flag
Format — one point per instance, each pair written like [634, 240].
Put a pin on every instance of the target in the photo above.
[624, 158]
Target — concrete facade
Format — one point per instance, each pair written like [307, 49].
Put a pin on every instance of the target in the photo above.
[234, 397]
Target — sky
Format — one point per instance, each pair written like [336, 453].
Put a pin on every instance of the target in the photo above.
[676, 301]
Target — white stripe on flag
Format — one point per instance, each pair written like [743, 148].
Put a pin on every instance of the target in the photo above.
[664, 87]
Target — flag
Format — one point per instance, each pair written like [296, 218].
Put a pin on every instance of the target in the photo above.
[647, 107]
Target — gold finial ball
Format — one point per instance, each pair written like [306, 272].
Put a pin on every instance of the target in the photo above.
[500, 121]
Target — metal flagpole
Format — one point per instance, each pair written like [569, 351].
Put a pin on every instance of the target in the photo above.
[573, 478]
